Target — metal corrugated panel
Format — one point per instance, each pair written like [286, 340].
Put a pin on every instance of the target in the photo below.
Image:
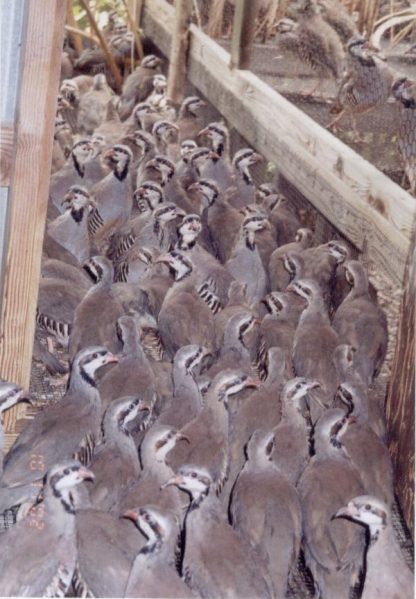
[12, 26]
[12, 32]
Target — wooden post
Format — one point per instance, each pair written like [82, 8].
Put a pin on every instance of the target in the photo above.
[139, 11]
[244, 28]
[216, 18]
[29, 179]
[179, 51]
[108, 56]
[70, 19]
[400, 406]
[133, 26]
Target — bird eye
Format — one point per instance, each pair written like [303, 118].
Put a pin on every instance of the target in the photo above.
[94, 356]
[367, 507]
[67, 471]
[193, 475]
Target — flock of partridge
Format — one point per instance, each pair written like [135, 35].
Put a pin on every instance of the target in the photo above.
[219, 398]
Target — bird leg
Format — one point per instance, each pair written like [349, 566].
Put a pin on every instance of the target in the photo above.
[332, 126]
[311, 93]
[49, 342]
[357, 137]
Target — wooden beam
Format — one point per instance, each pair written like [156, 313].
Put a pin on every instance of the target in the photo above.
[244, 29]
[39, 83]
[178, 55]
[7, 145]
[400, 404]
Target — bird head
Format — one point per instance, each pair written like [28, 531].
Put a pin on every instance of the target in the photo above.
[218, 134]
[193, 479]
[123, 410]
[153, 522]
[68, 474]
[187, 147]
[366, 510]
[177, 263]
[148, 196]
[88, 360]
[306, 288]
[192, 105]
[189, 357]
[230, 382]
[207, 190]
[10, 395]
[164, 166]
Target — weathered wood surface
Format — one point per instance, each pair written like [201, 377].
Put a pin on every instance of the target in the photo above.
[179, 51]
[244, 29]
[400, 405]
[6, 152]
[29, 188]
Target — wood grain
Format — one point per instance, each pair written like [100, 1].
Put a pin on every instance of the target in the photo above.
[179, 49]
[6, 152]
[400, 405]
[29, 187]
[244, 29]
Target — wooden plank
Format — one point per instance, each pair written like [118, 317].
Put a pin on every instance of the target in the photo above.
[158, 23]
[6, 152]
[179, 49]
[29, 186]
[244, 29]
[400, 405]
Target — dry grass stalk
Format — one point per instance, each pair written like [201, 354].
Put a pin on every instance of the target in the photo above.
[81, 33]
[197, 14]
[276, 10]
[108, 56]
[216, 18]
[133, 28]
[74, 30]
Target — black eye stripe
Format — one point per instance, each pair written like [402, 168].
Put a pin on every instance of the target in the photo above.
[79, 190]
[165, 161]
[123, 150]
[164, 210]
[210, 186]
[216, 129]
[199, 153]
[191, 100]
[81, 142]
[243, 154]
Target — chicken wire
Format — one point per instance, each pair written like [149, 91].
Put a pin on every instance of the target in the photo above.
[291, 77]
